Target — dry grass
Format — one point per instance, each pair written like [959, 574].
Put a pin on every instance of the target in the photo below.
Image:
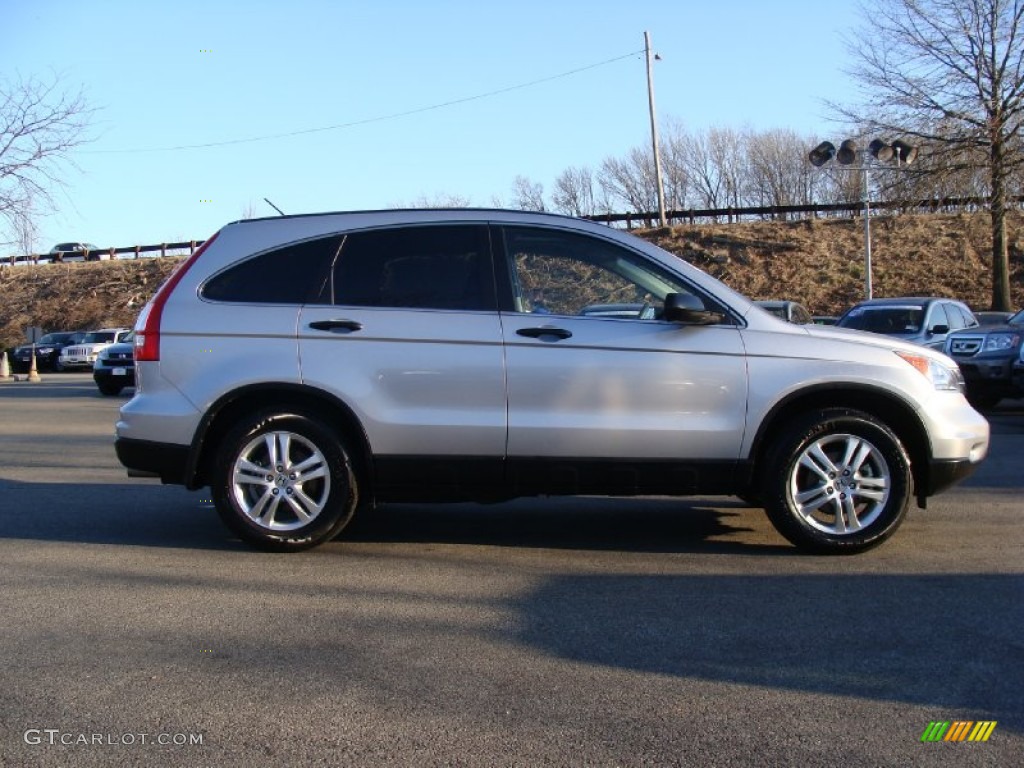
[820, 262]
[817, 262]
[76, 295]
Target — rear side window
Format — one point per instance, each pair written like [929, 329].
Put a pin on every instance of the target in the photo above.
[422, 267]
[294, 274]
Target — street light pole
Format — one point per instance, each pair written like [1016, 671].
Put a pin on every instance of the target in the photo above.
[847, 155]
[867, 231]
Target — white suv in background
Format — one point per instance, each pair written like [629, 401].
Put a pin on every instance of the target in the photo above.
[305, 367]
[84, 353]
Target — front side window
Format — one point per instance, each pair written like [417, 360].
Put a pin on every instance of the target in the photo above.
[419, 267]
[565, 273]
[957, 317]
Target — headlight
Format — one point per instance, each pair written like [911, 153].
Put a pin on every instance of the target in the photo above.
[44, 350]
[941, 376]
[1000, 342]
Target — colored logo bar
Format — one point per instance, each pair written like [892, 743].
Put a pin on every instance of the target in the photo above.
[958, 730]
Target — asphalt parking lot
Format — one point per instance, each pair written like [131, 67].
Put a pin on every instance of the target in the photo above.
[541, 632]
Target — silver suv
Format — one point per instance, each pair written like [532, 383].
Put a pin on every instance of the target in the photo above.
[306, 367]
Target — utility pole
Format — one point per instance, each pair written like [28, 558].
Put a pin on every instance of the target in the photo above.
[654, 131]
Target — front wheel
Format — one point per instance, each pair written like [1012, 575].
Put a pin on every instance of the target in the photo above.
[283, 482]
[837, 482]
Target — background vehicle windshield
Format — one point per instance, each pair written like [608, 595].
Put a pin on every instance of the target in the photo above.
[891, 320]
[98, 337]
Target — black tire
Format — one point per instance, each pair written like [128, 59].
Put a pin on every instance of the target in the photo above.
[263, 512]
[108, 389]
[860, 466]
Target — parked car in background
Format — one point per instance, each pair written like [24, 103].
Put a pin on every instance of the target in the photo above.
[306, 367]
[988, 317]
[84, 353]
[114, 368]
[987, 356]
[48, 350]
[920, 320]
[76, 252]
[787, 310]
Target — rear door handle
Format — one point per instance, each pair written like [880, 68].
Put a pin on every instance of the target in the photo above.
[336, 325]
[536, 333]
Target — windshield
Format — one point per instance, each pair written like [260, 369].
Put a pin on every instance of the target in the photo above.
[99, 337]
[885, 319]
[1017, 319]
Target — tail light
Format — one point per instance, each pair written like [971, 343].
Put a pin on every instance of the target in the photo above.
[147, 327]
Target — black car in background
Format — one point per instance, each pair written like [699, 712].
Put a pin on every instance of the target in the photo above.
[114, 368]
[76, 252]
[47, 351]
[987, 356]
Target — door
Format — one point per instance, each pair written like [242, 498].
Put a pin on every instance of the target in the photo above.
[409, 338]
[602, 393]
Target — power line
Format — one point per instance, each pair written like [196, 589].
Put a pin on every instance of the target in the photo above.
[366, 121]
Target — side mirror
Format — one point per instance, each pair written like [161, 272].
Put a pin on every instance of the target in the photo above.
[689, 309]
[939, 329]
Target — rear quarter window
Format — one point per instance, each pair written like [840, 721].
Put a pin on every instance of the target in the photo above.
[294, 274]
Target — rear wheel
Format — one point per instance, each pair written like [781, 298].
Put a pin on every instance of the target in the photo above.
[838, 481]
[282, 482]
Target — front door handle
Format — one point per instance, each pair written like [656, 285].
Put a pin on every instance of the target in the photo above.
[336, 325]
[536, 333]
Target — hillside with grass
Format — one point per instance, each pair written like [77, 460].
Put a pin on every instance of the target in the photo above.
[818, 262]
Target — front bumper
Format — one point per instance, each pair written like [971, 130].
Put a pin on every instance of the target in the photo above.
[77, 362]
[990, 374]
[945, 474]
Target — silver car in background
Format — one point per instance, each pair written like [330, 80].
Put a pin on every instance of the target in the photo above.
[919, 320]
[308, 367]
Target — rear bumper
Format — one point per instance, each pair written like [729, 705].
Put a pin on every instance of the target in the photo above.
[103, 375]
[168, 461]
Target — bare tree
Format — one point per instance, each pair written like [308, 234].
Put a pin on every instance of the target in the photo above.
[675, 172]
[777, 169]
[527, 195]
[437, 200]
[39, 127]
[574, 192]
[950, 72]
[26, 231]
[631, 180]
[249, 210]
[715, 161]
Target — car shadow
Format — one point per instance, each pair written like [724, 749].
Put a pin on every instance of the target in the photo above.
[144, 514]
[583, 523]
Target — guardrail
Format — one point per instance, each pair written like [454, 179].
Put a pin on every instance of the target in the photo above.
[100, 254]
[646, 219]
[650, 218]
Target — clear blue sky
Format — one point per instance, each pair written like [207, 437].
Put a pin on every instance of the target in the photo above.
[279, 67]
